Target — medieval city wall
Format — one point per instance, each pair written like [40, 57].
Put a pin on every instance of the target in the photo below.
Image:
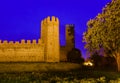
[47, 49]
[29, 51]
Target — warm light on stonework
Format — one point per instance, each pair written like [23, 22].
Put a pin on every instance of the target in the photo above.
[45, 50]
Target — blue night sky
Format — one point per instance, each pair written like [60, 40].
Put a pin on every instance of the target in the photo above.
[20, 19]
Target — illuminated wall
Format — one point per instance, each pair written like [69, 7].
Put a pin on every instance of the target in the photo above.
[50, 37]
[29, 51]
[46, 50]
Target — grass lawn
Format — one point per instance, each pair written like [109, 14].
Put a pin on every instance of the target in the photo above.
[54, 74]
[36, 66]
[88, 76]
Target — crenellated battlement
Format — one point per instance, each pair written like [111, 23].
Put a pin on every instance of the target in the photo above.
[50, 37]
[45, 49]
[24, 50]
[22, 42]
[70, 25]
[49, 20]
[11, 42]
[5, 42]
[17, 42]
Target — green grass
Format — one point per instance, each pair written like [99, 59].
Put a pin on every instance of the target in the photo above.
[53, 77]
[41, 67]
[53, 73]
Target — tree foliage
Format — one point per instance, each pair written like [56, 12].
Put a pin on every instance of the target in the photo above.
[104, 31]
[103, 62]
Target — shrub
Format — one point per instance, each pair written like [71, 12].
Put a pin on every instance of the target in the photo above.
[75, 56]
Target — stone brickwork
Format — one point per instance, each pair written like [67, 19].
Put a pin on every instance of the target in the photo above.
[29, 51]
[46, 50]
[50, 36]
[70, 42]
[63, 54]
[70, 37]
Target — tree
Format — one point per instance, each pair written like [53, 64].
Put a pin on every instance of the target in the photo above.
[103, 31]
[103, 62]
[75, 56]
[96, 58]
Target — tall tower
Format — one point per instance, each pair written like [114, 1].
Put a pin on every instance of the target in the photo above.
[50, 37]
[70, 40]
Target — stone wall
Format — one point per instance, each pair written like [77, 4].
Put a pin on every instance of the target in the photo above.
[46, 50]
[29, 51]
[63, 54]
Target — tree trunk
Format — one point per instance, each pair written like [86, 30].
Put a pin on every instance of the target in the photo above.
[118, 61]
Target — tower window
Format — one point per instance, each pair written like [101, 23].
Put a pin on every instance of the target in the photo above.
[68, 30]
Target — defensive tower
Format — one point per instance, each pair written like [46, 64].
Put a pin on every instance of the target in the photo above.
[70, 37]
[50, 37]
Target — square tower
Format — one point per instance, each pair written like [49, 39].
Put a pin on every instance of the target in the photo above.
[70, 37]
[50, 36]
